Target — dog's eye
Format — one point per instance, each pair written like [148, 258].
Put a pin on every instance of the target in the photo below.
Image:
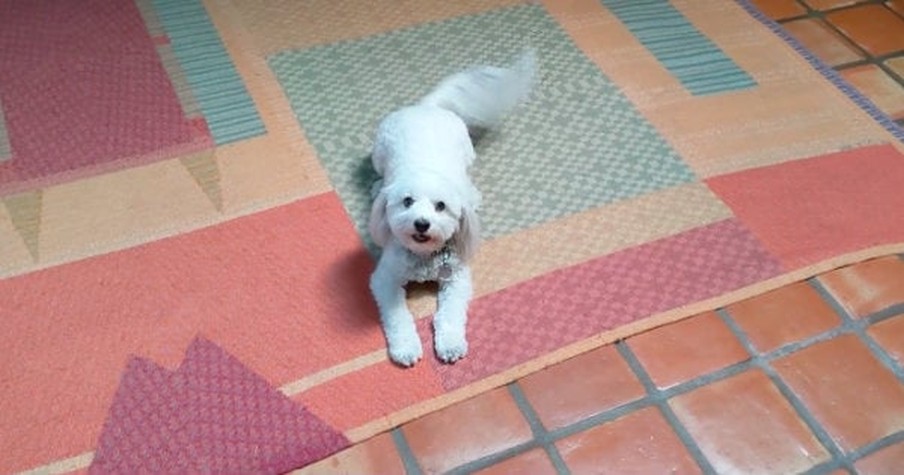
[408, 201]
[440, 206]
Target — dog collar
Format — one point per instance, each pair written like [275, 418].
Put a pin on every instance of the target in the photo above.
[444, 255]
[445, 266]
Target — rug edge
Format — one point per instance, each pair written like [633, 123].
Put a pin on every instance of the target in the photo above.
[398, 418]
[828, 72]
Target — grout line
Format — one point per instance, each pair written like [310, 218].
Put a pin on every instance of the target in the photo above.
[799, 345]
[705, 380]
[885, 314]
[857, 327]
[852, 64]
[820, 16]
[900, 14]
[540, 433]
[862, 452]
[545, 439]
[880, 63]
[877, 445]
[662, 403]
[405, 453]
[538, 440]
[686, 438]
[637, 367]
[828, 467]
[493, 459]
[828, 72]
[869, 58]
[807, 8]
[601, 418]
[556, 458]
[802, 16]
[836, 454]
[876, 349]
[536, 426]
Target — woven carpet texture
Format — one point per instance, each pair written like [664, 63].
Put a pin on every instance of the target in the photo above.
[184, 188]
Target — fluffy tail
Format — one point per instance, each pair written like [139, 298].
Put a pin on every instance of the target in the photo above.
[482, 96]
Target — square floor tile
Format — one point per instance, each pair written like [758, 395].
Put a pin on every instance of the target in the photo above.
[848, 391]
[890, 335]
[878, 86]
[534, 462]
[783, 316]
[823, 41]
[744, 425]
[683, 350]
[873, 27]
[467, 431]
[375, 455]
[780, 9]
[639, 443]
[581, 387]
[888, 461]
[867, 287]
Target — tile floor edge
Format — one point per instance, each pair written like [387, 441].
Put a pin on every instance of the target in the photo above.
[829, 73]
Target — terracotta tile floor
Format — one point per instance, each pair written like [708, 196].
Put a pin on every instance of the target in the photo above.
[862, 39]
[808, 378]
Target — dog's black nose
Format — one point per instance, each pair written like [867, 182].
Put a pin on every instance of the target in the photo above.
[422, 225]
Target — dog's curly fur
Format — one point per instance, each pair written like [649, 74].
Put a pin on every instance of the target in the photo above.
[424, 212]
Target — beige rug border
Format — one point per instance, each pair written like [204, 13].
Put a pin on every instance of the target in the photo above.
[423, 408]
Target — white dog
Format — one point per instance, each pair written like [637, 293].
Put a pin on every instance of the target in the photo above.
[424, 212]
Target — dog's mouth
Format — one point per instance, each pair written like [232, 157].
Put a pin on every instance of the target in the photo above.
[420, 238]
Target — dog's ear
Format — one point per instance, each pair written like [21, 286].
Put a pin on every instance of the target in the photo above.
[379, 225]
[468, 236]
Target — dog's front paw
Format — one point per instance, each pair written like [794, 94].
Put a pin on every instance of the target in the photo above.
[451, 346]
[406, 350]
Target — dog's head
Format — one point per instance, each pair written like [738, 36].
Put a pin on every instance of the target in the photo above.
[424, 213]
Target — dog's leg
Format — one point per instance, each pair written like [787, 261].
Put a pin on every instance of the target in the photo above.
[398, 324]
[451, 318]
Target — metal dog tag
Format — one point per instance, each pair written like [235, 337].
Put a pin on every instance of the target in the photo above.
[445, 271]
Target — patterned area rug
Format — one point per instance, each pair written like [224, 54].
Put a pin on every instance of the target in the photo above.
[184, 188]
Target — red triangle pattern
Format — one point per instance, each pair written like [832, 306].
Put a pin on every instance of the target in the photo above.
[212, 415]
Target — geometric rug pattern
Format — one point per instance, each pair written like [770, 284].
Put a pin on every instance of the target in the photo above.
[183, 267]
[697, 62]
[579, 144]
[210, 415]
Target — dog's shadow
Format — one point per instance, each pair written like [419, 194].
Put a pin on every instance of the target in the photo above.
[351, 274]
[352, 271]
[363, 179]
